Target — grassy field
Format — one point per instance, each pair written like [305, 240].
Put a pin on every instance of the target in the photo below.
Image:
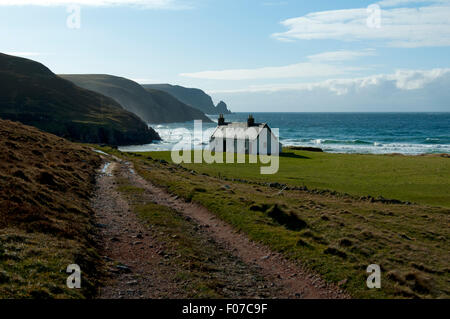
[199, 266]
[418, 179]
[46, 223]
[334, 234]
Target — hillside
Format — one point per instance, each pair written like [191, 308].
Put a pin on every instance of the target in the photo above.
[32, 94]
[193, 97]
[45, 221]
[152, 106]
[176, 107]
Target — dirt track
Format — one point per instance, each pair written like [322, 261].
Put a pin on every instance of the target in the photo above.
[137, 269]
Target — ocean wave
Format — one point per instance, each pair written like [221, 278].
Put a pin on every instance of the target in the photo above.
[374, 148]
[181, 136]
[377, 144]
[346, 142]
[436, 140]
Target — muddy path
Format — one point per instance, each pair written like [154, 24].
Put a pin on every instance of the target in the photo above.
[137, 269]
[133, 265]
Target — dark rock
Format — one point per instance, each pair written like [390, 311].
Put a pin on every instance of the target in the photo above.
[222, 108]
[305, 148]
[124, 268]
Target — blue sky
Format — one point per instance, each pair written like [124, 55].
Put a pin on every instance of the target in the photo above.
[264, 55]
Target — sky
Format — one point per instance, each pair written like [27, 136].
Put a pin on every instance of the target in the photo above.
[256, 55]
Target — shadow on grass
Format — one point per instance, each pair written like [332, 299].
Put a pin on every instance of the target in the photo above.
[287, 219]
[293, 155]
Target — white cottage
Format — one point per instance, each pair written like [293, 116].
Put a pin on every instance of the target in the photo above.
[248, 138]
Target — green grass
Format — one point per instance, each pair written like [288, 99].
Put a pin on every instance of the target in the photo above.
[33, 265]
[418, 179]
[335, 235]
[46, 222]
[201, 270]
[129, 189]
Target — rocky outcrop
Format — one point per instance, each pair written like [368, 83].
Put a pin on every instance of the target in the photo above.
[305, 148]
[222, 108]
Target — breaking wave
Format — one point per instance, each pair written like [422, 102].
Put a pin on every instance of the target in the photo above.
[405, 133]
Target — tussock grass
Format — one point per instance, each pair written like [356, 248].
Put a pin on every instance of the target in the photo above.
[342, 234]
[45, 220]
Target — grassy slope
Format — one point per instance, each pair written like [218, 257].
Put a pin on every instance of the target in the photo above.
[420, 179]
[32, 94]
[190, 96]
[336, 235]
[45, 219]
[176, 110]
[152, 106]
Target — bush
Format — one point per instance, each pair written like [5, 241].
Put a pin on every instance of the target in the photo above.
[288, 219]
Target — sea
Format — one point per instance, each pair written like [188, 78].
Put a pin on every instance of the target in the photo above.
[365, 133]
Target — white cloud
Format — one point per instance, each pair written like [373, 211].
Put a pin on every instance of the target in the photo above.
[148, 4]
[341, 55]
[413, 80]
[299, 70]
[400, 27]
[319, 65]
[402, 91]
[396, 3]
[400, 80]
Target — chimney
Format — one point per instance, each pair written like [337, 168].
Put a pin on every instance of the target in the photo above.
[221, 120]
[250, 121]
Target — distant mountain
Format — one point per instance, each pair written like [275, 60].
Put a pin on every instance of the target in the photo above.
[30, 93]
[193, 97]
[178, 110]
[151, 106]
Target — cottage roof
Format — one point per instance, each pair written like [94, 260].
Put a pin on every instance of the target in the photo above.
[239, 131]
